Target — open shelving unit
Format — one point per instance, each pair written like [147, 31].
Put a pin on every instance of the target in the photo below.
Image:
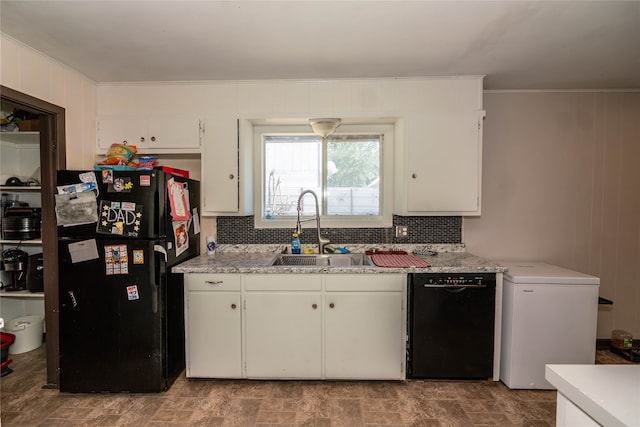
[20, 158]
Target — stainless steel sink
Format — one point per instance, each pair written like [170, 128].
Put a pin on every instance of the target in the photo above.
[332, 260]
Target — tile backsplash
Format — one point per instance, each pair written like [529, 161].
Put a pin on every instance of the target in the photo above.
[422, 229]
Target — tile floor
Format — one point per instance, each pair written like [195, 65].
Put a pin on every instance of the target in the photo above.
[275, 403]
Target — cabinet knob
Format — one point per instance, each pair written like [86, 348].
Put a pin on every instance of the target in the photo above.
[331, 305]
[233, 306]
[314, 306]
[414, 175]
[142, 139]
[153, 139]
[231, 176]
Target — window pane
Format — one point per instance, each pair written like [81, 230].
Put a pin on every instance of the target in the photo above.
[292, 164]
[353, 175]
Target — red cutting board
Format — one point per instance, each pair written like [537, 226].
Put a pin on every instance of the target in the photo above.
[398, 261]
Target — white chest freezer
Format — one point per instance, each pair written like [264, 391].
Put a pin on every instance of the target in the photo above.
[549, 316]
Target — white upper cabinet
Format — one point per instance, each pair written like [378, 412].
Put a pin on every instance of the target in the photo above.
[151, 134]
[439, 160]
[442, 169]
[226, 167]
[437, 148]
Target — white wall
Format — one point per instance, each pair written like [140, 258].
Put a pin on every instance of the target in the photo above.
[560, 185]
[29, 71]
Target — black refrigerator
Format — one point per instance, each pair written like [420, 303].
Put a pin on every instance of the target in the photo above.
[121, 309]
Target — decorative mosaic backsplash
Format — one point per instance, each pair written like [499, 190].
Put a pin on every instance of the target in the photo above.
[422, 229]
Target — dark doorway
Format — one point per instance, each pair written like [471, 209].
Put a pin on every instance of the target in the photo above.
[52, 158]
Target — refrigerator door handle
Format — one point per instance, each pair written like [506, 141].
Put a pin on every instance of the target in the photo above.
[154, 286]
[161, 250]
[154, 298]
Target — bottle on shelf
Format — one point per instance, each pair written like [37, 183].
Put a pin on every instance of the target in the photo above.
[295, 244]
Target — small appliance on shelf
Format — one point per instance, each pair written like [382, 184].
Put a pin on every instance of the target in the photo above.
[15, 262]
[21, 223]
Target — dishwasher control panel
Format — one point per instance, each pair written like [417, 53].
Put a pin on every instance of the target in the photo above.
[455, 279]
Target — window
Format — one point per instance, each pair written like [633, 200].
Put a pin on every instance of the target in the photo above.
[350, 172]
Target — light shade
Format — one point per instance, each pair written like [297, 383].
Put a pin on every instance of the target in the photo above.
[324, 127]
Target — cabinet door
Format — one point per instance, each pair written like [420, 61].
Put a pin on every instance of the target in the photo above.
[120, 131]
[443, 161]
[213, 334]
[173, 132]
[159, 134]
[283, 334]
[220, 166]
[363, 335]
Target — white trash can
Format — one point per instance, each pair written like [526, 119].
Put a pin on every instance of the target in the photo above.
[28, 331]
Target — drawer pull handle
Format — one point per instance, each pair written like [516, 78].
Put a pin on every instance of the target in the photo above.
[214, 282]
[332, 305]
[233, 306]
[314, 306]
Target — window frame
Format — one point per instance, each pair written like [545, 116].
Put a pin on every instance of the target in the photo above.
[385, 219]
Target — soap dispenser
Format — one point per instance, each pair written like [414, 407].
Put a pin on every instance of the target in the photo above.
[295, 244]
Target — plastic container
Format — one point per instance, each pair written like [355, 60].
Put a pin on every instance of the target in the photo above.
[295, 244]
[211, 246]
[621, 339]
[28, 331]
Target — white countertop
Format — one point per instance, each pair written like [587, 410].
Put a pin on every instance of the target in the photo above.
[610, 394]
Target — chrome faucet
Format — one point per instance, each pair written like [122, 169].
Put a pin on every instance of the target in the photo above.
[321, 242]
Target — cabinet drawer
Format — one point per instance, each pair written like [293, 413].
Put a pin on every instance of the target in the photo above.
[283, 282]
[364, 282]
[212, 282]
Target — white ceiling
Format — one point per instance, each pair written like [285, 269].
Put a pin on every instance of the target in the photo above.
[517, 44]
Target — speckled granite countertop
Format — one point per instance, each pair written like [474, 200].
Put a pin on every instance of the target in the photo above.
[259, 259]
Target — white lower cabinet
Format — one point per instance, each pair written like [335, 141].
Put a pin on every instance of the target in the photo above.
[213, 326]
[364, 329]
[283, 335]
[283, 325]
[305, 326]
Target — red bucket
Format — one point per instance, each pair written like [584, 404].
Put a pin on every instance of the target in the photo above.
[5, 342]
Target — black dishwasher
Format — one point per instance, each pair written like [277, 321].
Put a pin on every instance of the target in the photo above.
[451, 325]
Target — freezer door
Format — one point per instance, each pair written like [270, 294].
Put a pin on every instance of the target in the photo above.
[139, 203]
[138, 189]
[112, 318]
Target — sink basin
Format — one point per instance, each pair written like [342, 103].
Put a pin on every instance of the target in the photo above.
[332, 260]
